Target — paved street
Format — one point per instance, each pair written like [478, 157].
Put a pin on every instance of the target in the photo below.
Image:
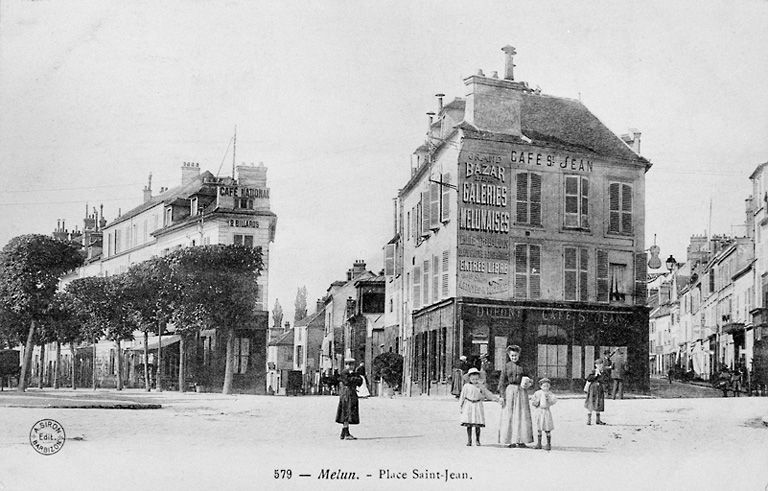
[203, 441]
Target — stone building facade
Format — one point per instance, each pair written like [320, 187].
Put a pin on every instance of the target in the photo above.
[522, 223]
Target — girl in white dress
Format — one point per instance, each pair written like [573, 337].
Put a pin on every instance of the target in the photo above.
[542, 400]
[471, 404]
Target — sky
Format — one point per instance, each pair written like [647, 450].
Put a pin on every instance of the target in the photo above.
[331, 96]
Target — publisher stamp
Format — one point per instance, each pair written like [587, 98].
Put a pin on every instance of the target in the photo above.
[47, 436]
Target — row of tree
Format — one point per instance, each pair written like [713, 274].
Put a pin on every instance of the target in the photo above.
[191, 289]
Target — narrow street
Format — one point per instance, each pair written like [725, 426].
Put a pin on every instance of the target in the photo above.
[204, 440]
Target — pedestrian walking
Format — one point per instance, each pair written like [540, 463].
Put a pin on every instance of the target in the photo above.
[542, 400]
[595, 402]
[348, 413]
[457, 377]
[471, 405]
[516, 428]
[617, 377]
[670, 372]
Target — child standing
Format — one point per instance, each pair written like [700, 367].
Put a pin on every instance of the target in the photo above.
[596, 393]
[471, 404]
[543, 399]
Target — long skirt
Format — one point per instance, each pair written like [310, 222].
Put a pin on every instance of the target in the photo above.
[347, 411]
[543, 420]
[362, 391]
[595, 398]
[457, 382]
[472, 414]
[516, 425]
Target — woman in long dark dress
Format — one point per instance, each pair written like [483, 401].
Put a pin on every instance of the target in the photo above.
[516, 424]
[348, 412]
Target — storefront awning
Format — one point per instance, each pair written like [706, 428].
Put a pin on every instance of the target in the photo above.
[153, 342]
[733, 327]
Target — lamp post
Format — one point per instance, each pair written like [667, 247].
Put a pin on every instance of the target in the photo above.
[671, 263]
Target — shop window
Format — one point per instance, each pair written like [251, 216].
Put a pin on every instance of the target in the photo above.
[241, 350]
[528, 199]
[553, 360]
[620, 208]
[576, 202]
[527, 271]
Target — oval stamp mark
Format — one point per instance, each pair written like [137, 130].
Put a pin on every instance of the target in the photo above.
[47, 436]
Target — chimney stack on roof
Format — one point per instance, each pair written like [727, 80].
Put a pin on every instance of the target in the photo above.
[632, 139]
[189, 171]
[358, 268]
[148, 189]
[509, 64]
[439, 102]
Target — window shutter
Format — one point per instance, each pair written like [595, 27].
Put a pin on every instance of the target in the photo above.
[399, 258]
[570, 273]
[535, 271]
[571, 201]
[445, 273]
[389, 259]
[613, 206]
[583, 274]
[584, 203]
[434, 205]
[602, 276]
[425, 283]
[626, 208]
[445, 205]
[535, 199]
[641, 278]
[522, 197]
[416, 287]
[425, 213]
[435, 278]
[521, 270]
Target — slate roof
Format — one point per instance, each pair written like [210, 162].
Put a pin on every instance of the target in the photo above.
[559, 121]
[183, 191]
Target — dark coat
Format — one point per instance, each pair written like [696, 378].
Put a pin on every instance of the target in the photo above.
[596, 393]
[348, 411]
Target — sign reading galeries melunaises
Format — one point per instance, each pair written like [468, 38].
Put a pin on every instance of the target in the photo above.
[485, 211]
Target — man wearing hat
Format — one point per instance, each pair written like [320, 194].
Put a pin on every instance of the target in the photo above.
[348, 412]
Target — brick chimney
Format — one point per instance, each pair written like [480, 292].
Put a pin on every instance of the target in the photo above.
[148, 189]
[189, 171]
[632, 139]
[319, 305]
[358, 268]
[494, 104]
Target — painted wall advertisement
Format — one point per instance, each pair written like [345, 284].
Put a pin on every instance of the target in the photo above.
[484, 223]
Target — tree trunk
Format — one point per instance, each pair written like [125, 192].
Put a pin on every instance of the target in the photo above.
[72, 350]
[119, 357]
[146, 361]
[27, 359]
[41, 372]
[93, 365]
[56, 365]
[182, 353]
[159, 376]
[229, 364]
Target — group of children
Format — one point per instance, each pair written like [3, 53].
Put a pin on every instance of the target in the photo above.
[474, 393]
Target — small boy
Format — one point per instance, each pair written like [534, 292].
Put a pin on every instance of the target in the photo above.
[543, 399]
[471, 404]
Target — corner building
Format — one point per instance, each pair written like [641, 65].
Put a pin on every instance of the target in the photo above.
[522, 223]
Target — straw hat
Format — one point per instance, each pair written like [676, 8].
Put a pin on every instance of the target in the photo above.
[473, 370]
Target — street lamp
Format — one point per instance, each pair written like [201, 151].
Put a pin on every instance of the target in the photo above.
[671, 263]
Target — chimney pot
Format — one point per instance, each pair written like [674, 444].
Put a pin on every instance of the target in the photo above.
[480, 72]
[439, 102]
[509, 65]
[495, 74]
